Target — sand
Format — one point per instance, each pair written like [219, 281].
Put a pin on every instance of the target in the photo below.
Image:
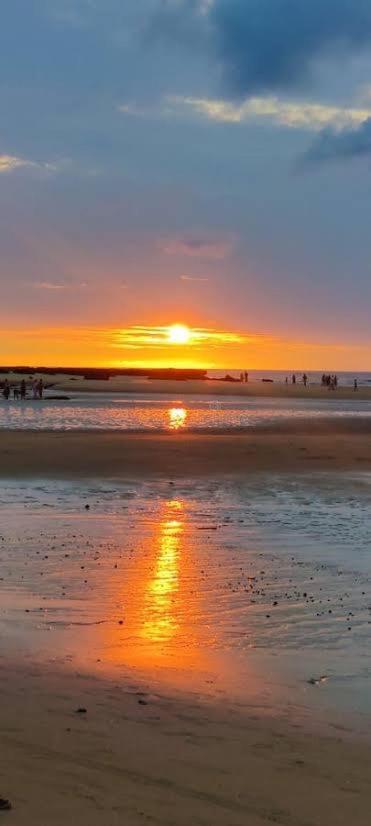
[208, 388]
[133, 386]
[135, 758]
[301, 446]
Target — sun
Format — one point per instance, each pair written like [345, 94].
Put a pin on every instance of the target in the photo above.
[178, 334]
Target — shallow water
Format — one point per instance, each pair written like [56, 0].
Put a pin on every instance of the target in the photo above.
[258, 589]
[169, 413]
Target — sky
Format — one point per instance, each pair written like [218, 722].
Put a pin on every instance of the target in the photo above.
[203, 162]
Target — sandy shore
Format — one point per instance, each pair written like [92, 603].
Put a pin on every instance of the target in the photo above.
[208, 388]
[135, 757]
[302, 446]
[177, 389]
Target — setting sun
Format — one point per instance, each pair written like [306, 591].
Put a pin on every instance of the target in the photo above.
[179, 334]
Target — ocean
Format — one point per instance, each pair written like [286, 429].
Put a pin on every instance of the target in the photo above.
[171, 413]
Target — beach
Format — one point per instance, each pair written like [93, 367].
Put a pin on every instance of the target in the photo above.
[301, 446]
[138, 758]
[185, 623]
[125, 695]
[273, 388]
[270, 389]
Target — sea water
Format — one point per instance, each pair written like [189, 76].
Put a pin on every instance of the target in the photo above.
[170, 413]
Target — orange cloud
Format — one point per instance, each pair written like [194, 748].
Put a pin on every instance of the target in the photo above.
[147, 346]
[138, 337]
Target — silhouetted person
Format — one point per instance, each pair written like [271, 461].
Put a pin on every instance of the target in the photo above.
[355, 384]
[15, 393]
[40, 388]
[241, 377]
[293, 378]
[23, 389]
[286, 380]
[305, 379]
[6, 389]
[246, 378]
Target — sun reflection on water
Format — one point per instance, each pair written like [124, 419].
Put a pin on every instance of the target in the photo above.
[161, 622]
[177, 417]
[161, 599]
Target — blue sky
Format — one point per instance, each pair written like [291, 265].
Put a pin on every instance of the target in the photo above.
[199, 161]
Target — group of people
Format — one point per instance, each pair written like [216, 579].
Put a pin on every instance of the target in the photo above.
[244, 377]
[330, 381]
[293, 379]
[20, 392]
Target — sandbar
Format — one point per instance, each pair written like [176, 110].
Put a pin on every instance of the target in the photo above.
[301, 446]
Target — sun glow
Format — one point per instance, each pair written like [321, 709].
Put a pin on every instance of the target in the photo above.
[177, 418]
[179, 334]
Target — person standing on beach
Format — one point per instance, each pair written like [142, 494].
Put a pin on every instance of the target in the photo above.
[6, 390]
[305, 379]
[35, 389]
[23, 389]
[293, 378]
[355, 384]
[246, 378]
[15, 392]
[40, 389]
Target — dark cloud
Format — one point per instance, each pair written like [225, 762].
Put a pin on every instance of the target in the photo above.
[331, 145]
[265, 45]
[273, 44]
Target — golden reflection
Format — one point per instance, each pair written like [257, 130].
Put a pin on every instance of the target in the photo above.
[177, 418]
[158, 598]
[161, 622]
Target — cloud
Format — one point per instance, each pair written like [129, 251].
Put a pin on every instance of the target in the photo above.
[274, 44]
[347, 144]
[48, 285]
[262, 46]
[293, 114]
[139, 336]
[55, 285]
[205, 248]
[192, 278]
[8, 163]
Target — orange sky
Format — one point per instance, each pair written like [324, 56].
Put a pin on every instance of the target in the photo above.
[150, 346]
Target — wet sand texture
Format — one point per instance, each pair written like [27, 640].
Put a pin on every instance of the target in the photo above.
[306, 446]
[136, 758]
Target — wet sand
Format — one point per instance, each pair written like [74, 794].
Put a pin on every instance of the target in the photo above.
[141, 753]
[302, 446]
[135, 758]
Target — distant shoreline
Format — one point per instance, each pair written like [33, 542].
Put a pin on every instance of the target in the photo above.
[206, 387]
